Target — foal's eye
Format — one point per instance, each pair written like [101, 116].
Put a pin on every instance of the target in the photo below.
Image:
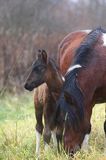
[39, 69]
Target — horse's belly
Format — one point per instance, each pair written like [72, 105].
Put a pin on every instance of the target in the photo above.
[100, 100]
[101, 95]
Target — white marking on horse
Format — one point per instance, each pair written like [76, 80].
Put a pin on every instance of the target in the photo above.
[66, 115]
[84, 145]
[38, 136]
[63, 78]
[54, 138]
[73, 67]
[86, 31]
[104, 39]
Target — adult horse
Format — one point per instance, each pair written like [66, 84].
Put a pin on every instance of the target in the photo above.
[84, 86]
[45, 71]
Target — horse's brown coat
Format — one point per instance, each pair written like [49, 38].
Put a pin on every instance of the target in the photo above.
[67, 49]
[91, 80]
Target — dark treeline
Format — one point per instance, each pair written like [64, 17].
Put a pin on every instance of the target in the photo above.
[29, 25]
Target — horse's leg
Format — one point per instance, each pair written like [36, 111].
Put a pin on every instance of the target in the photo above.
[105, 131]
[39, 126]
[59, 135]
[105, 137]
[54, 137]
[85, 145]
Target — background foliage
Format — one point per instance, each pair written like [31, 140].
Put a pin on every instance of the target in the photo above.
[27, 25]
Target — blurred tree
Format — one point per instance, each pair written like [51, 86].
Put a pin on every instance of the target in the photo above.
[27, 25]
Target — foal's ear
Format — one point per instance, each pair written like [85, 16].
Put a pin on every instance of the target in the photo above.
[68, 98]
[42, 55]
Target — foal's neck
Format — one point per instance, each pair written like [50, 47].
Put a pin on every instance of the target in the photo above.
[54, 78]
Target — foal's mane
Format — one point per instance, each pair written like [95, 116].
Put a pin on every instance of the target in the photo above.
[52, 62]
[82, 57]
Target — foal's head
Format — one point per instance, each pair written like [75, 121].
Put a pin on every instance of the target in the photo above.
[44, 70]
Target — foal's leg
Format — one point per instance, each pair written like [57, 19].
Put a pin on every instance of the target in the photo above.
[39, 126]
[46, 136]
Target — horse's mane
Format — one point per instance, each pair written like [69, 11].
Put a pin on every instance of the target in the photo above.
[82, 57]
[83, 53]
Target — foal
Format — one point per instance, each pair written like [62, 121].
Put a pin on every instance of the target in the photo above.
[44, 71]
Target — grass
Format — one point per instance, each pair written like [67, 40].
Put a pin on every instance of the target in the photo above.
[17, 132]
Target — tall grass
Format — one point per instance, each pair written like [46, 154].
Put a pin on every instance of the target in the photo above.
[17, 132]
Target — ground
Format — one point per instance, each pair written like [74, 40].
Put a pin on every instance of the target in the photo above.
[17, 132]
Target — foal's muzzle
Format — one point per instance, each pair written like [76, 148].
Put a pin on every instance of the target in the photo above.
[28, 87]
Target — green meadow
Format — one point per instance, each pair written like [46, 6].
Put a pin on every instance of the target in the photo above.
[17, 132]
